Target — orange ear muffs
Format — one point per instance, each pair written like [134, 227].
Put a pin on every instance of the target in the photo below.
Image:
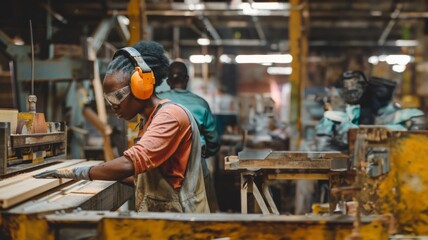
[142, 80]
[142, 84]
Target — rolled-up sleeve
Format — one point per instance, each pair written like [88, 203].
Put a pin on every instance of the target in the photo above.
[157, 144]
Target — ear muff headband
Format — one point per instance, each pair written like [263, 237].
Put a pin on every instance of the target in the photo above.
[142, 78]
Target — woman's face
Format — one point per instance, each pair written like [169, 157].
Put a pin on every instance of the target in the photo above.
[119, 96]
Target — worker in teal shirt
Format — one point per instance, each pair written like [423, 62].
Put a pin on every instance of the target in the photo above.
[178, 78]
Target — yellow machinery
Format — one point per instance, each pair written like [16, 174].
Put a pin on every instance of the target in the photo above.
[27, 139]
[394, 176]
[158, 226]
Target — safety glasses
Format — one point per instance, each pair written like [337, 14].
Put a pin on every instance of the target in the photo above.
[116, 97]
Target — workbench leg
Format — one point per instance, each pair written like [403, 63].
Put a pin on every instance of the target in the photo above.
[244, 188]
[269, 199]
[259, 199]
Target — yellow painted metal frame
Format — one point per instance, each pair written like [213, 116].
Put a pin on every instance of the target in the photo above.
[137, 21]
[26, 226]
[157, 229]
[403, 191]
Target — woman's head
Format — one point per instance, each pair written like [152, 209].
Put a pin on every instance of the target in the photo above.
[119, 71]
[153, 55]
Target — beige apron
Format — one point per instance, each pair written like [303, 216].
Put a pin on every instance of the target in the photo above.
[155, 194]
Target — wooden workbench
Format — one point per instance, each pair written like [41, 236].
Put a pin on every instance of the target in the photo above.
[283, 165]
[25, 200]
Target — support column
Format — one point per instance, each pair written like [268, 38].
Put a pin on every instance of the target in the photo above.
[137, 21]
[298, 50]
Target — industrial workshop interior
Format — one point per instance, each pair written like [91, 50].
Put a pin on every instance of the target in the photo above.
[193, 119]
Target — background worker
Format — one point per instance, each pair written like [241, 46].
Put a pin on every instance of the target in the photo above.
[178, 79]
[369, 102]
[166, 159]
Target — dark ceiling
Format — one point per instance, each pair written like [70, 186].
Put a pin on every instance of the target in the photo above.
[232, 25]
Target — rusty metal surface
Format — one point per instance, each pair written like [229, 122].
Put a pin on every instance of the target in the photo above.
[403, 190]
[31, 123]
[21, 151]
[239, 226]
[28, 140]
[132, 225]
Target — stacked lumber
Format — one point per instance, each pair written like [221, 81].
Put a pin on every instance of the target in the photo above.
[17, 189]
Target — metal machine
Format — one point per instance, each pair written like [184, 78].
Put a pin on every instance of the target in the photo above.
[31, 142]
[26, 137]
[394, 175]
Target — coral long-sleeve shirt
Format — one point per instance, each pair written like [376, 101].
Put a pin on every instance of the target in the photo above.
[165, 143]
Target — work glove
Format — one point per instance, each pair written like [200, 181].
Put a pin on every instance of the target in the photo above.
[78, 173]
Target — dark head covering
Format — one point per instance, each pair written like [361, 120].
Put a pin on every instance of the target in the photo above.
[379, 94]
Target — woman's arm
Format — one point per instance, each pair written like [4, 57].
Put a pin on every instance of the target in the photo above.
[116, 169]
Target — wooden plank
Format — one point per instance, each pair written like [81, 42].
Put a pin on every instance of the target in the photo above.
[21, 188]
[20, 177]
[87, 195]
[286, 160]
[259, 199]
[286, 164]
[26, 221]
[10, 115]
[304, 155]
[297, 176]
[21, 191]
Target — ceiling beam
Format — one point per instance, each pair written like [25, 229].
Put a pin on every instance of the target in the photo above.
[390, 25]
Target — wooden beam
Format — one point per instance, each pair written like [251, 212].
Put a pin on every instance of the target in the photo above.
[9, 115]
[297, 176]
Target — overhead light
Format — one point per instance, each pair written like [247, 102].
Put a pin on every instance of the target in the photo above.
[398, 59]
[398, 68]
[375, 13]
[203, 41]
[269, 58]
[374, 60]
[270, 5]
[255, 12]
[201, 58]
[382, 58]
[225, 58]
[279, 70]
[196, 6]
[123, 19]
[406, 43]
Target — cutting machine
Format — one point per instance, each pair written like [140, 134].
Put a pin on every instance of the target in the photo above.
[27, 139]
